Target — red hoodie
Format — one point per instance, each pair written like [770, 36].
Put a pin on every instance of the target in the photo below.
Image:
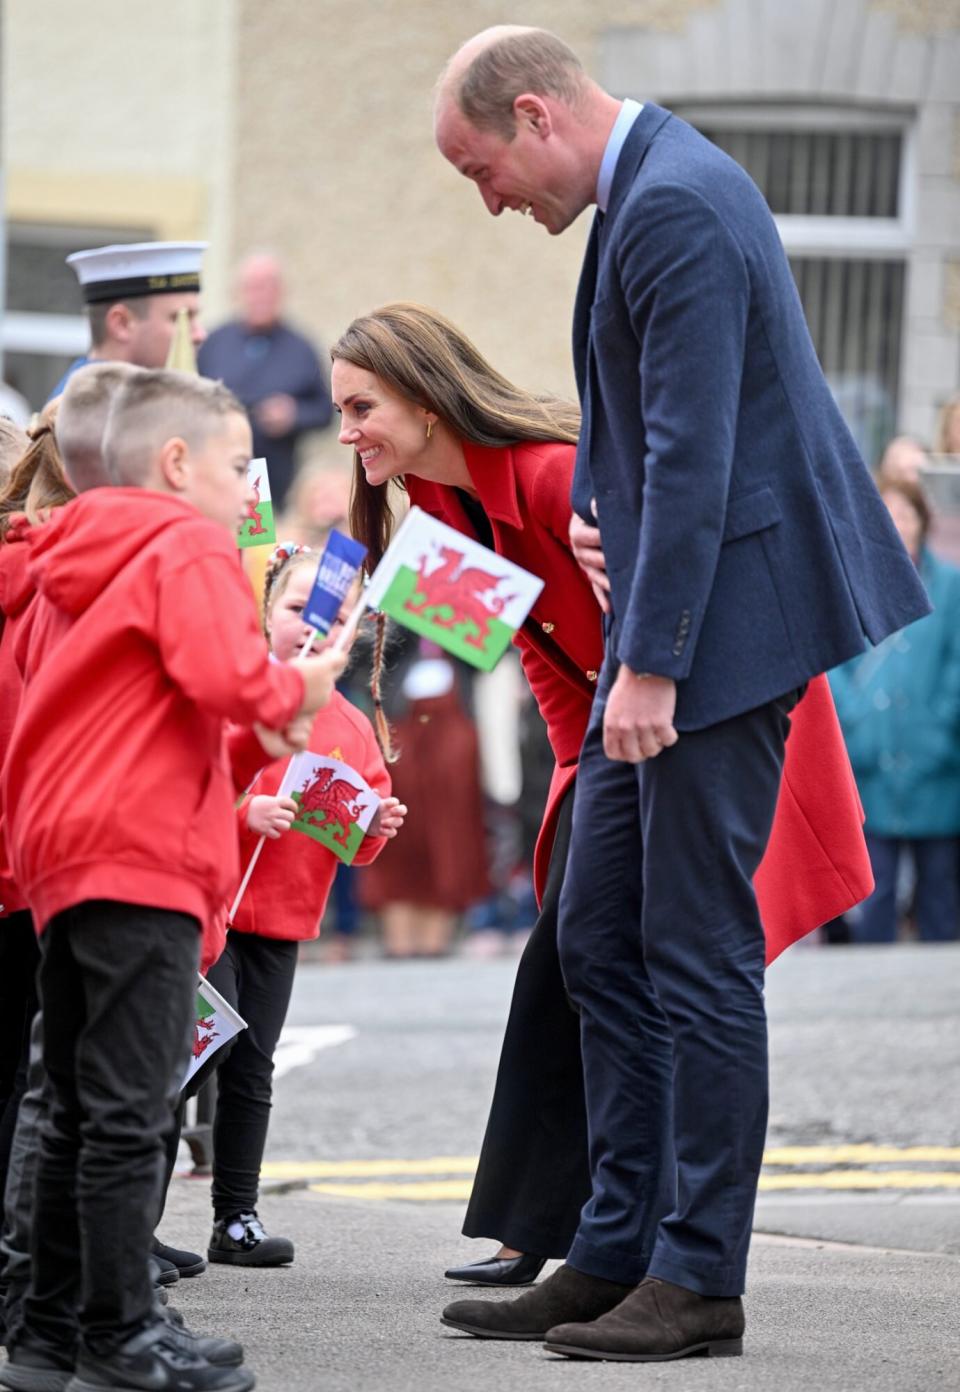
[291, 882]
[16, 592]
[116, 782]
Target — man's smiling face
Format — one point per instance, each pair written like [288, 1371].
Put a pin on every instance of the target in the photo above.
[527, 174]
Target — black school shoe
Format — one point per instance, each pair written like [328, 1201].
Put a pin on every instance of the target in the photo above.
[187, 1263]
[241, 1241]
[156, 1359]
[162, 1271]
[30, 1369]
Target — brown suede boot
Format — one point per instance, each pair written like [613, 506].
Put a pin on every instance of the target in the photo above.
[657, 1321]
[566, 1295]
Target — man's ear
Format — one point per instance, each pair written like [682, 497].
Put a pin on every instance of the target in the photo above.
[118, 322]
[174, 464]
[532, 113]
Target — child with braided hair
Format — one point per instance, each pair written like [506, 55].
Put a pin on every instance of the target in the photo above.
[281, 906]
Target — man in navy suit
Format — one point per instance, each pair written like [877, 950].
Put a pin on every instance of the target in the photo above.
[746, 551]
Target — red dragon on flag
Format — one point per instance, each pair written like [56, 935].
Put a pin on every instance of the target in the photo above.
[457, 588]
[203, 1034]
[253, 514]
[329, 801]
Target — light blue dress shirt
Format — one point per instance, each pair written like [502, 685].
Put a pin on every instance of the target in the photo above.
[628, 113]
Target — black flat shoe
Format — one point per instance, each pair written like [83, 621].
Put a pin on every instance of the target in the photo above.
[500, 1271]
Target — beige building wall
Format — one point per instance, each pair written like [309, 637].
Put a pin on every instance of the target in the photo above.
[336, 169]
[305, 126]
[120, 113]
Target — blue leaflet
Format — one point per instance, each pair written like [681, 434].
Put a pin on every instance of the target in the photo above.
[341, 560]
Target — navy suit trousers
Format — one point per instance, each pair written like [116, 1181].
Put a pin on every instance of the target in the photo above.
[662, 950]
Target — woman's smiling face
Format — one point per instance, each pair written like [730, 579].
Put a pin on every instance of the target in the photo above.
[388, 432]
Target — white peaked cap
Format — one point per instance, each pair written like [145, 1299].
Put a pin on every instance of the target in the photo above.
[133, 269]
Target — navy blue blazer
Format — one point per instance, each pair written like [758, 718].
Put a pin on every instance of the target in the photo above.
[747, 547]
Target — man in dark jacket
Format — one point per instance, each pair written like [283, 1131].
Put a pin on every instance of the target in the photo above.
[747, 551]
[273, 369]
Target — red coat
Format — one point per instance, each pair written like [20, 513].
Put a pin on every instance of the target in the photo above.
[116, 782]
[16, 592]
[291, 882]
[816, 864]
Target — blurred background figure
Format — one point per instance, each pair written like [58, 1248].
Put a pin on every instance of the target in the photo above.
[133, 294]
[899, 705]
[273, 369]
[319, 500]
[420, 892]
[14, 443]
[903, 460]
[13, 406]
[948, 428]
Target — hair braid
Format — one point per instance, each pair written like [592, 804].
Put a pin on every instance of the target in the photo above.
[380, 722]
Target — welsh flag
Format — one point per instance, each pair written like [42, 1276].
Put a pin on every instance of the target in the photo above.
[215, 1024]
[258, 527]
[336, 804]
[452, 590]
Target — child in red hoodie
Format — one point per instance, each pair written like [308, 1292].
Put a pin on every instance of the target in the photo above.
[120, 829]
[281, 906]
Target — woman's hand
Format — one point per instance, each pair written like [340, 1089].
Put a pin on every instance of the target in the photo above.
[388, 818]
[588, 553]
[271, 816]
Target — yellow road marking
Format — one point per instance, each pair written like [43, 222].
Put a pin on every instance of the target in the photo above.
[862, 1179]
[433, 1191]
[865, 1154]
[360, 1169]
[858, 1154]
[427, 1192]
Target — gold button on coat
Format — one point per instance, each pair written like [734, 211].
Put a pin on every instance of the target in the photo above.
[592, 676]
[547, 626]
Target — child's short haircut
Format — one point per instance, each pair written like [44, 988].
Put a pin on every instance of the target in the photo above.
[154, 407]
[82, 421]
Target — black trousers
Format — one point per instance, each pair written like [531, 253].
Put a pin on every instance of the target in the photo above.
[256, 976]
[19, 959]
[21, 1183]
[534, 1177]
[117, 989]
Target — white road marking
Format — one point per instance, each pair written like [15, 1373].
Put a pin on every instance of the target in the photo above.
[300, 1044]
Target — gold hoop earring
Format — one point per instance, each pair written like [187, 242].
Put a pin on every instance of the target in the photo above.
[429, 429]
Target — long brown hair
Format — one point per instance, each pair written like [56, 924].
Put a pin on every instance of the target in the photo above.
[37, 481]
[421, 356]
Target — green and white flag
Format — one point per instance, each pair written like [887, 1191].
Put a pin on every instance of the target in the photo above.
[452, 590]
[215, 1024]
[336, 804]
[258, 527]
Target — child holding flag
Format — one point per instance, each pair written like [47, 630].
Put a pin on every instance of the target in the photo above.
[120, 827]
[281, 906]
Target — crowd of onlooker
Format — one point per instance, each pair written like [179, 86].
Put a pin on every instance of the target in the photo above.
[899, 706]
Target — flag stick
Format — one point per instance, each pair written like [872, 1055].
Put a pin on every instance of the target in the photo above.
[345, 636]
[246, 878]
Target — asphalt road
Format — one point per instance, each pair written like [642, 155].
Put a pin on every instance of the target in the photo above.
[386, 1075]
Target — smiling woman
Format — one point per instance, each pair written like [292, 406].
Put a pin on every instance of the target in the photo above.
[421, 407]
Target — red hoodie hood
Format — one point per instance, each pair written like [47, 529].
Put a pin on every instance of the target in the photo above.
[76, 555]
[16, 585]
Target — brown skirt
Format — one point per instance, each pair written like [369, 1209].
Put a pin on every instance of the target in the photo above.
[439, 858]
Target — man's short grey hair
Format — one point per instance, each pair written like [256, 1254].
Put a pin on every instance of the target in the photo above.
[533, 61]
[154, 407]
